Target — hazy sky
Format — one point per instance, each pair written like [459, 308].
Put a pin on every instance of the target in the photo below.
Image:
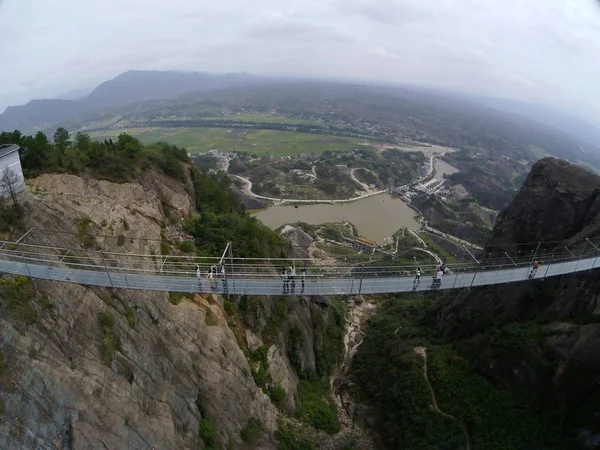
[541, 50]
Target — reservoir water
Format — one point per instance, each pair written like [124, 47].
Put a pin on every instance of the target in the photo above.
[375, 217]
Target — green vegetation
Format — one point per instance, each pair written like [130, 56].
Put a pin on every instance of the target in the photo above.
[314, 407]
[329, 337]
[228, 307]
[84, 227]
[120, 160]
[295, 177]
[259, 367]
[464, 218]
[11, 218]
[277, 395]
[223, 219]
[187, 247]
[263, 118]
[16, 296]
[175, 297]
[165, 249]
[253, 141]
[208, 434]
[389, 374]
[252, 431]
[131, 319]
[290, 437]
[3, 366]
[210, 319]
[275, 320]
[120, 240]
[431, 245]
[110, 341]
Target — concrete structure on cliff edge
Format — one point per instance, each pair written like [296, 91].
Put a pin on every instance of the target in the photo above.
[10, 161]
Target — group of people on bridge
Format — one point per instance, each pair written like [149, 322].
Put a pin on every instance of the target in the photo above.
[440, 271]
[213, 273]
[288, 277]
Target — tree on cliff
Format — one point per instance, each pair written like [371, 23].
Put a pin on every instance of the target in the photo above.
[10, 183]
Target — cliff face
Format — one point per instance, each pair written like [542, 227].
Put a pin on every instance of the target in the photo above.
[540, 340]
[173, 364]
[558, 201]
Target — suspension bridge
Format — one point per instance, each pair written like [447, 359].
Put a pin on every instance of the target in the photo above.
[260, 276]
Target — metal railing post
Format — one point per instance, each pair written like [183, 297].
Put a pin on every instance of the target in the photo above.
[474, 275]
[511, 260]
[362, 267]
[580, 256]
[23, 258]
[548, 265]
[106, 269]
[535, 253]
[231, 264]
[598, 249]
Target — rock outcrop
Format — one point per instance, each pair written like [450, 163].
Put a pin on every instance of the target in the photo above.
[125, 369]
[172, 366]
[558, 201]
[298, 241]
[540, 340]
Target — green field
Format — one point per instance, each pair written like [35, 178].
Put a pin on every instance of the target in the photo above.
[258, 142]
[265, 118]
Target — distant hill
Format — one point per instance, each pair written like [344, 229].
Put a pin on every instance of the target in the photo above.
[561, 120]
[129, 87]
[39, 114]
[137, 85]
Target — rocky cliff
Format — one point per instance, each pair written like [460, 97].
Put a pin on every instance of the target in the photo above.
[94, 368]
[540, 340]
[507, 367]
[558, 202]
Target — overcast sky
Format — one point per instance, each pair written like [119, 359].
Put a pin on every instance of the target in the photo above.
[540, 50]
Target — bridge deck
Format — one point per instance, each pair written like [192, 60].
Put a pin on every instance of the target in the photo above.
[273, 285]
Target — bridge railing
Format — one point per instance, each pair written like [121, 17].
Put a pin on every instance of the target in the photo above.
[268, 269]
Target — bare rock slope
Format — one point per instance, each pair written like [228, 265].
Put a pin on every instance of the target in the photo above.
[173, 365]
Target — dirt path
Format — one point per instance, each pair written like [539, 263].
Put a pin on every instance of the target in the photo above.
[418, 238]
[429, 252]
[247, 189]
[422, 352]
[365, 187]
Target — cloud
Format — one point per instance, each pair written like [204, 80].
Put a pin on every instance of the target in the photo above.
[538, 50]
[384, 53]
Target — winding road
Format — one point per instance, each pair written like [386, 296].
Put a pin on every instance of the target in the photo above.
[248, 191]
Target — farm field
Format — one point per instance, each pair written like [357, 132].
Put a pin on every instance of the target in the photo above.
[265, 118]
[258, 142]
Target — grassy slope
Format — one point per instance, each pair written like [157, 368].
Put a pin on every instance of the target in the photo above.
[260, 142]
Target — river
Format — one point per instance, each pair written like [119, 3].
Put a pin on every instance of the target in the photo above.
[375, 217]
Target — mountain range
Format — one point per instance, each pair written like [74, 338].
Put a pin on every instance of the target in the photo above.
[129, 87]
[146, 91]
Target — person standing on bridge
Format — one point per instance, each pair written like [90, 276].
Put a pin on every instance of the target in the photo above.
[534, 268]
[303, 278]
[286, 280]
[212, 275]
[417, 279]
[199, 277]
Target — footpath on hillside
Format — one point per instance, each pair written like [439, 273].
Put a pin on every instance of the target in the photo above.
[422, 352]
